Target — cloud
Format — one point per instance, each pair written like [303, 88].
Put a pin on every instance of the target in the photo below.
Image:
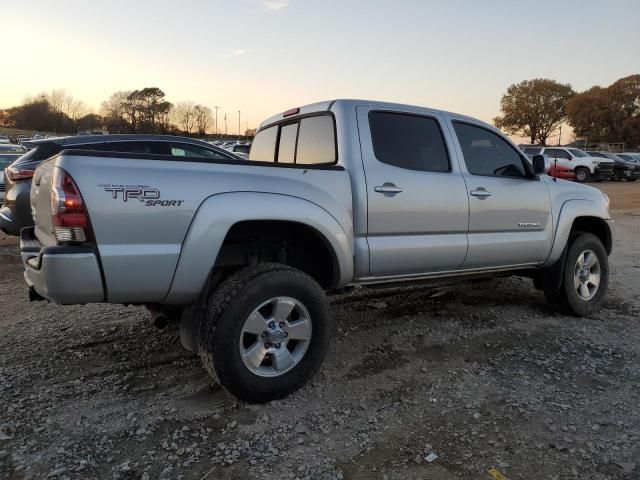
[263, 6]
[273, 5]
[238, 52]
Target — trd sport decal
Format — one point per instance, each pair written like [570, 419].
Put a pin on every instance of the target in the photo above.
[143, 193]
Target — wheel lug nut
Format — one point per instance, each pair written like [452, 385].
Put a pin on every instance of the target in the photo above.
[267, 345]
[264, 334]
[277, 345]
[281, 324]
[272, 325]
[286, 334]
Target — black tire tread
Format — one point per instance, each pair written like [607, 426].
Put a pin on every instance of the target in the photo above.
[559, 299]
[216, 306]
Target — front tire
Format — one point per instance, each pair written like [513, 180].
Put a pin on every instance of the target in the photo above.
[582, 174]
[585, 278]
[265, 332]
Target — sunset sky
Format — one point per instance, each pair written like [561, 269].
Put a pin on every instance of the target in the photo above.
[264, 56]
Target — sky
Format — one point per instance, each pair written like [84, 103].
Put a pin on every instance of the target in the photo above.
[265, 56]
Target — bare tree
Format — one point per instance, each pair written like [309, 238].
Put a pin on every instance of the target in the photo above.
[184, 116]
[203, 119]
[115, 112]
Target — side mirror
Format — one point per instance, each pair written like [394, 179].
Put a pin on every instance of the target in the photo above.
[538, 164]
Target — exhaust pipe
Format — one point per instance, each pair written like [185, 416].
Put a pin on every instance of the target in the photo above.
[158, 317]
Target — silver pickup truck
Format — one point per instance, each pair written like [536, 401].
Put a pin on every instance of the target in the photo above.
[333, 194]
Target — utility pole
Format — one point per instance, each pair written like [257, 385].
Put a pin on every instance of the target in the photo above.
[560, 136]
[216, 108]
[225, 123]
[238, 124]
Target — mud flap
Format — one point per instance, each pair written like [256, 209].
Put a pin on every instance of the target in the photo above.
[550, 278]
[192, 315]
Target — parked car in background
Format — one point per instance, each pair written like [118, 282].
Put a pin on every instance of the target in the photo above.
[551, 168]
[4, 139]
[559, 171]
[12, 148]
[5, 160]
[622, 169]
[582, 164]
[241, 149]
[336, 193]
[631, 156]
[16, 214]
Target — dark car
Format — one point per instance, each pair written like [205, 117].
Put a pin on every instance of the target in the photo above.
[10, 148]
[16, 212]
[623, 169]
[6, 159]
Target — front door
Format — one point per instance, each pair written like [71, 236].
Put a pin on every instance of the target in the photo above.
[559, 157]
[510, 219]
[417, 207]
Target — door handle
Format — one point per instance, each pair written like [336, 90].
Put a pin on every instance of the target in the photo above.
[480, 193]
[387, 188]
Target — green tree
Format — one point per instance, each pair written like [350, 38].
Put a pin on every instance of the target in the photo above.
[610, 114]
[534, 108]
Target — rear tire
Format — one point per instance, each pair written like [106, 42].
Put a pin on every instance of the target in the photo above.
[582, 174]
[585, 278]
[253, 337]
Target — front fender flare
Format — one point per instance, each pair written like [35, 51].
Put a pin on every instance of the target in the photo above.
[218, 213]
[572, 209]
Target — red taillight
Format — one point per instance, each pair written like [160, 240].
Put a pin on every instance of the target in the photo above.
[69, 215]
[16, 173]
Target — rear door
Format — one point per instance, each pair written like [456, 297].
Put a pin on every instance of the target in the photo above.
[417, 202]
[509, 209]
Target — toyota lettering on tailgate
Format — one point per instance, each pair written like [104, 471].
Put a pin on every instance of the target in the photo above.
[150, 196]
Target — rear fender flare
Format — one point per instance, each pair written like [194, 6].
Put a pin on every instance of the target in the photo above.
[218, 213]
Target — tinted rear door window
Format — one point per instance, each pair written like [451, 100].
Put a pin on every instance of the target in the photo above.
[408, 141]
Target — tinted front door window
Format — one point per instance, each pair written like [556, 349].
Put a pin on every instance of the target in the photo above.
[485, 153]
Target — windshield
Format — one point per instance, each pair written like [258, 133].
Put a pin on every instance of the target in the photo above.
[577, 153]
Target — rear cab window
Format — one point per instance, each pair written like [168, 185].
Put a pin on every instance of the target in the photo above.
[305, 141]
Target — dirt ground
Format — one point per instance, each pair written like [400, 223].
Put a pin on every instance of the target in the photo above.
[480, 374]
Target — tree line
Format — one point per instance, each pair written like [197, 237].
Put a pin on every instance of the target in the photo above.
[139, 111]
[537, 108]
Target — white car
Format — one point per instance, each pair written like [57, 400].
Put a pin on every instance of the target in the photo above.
[581, 163]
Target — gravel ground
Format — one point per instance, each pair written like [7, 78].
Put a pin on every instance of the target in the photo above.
[477, 380]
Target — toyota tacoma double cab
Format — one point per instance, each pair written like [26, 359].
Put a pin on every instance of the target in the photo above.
[333, 194]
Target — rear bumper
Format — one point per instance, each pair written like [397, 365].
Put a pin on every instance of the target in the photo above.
[63, 274]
